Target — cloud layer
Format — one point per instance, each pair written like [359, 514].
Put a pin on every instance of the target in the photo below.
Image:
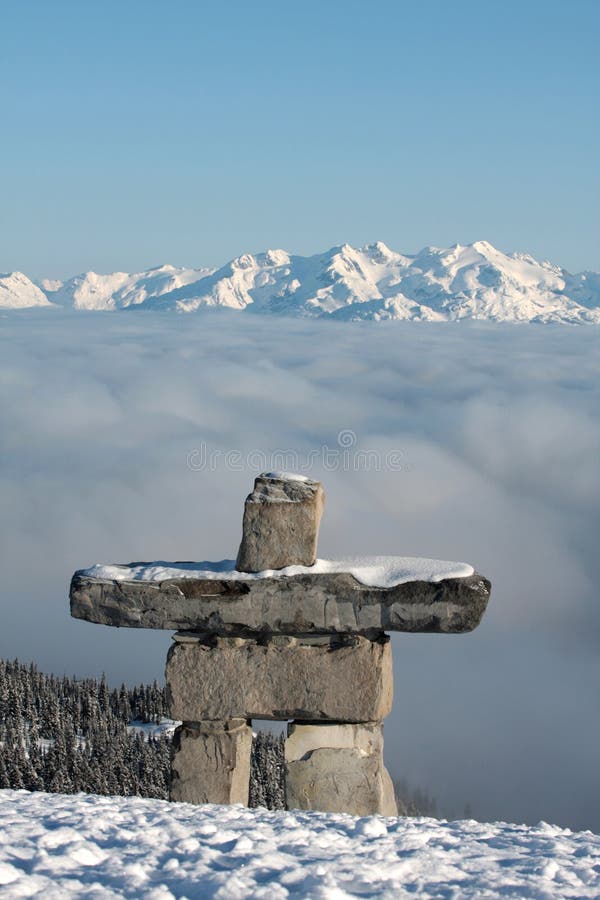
[481, 443]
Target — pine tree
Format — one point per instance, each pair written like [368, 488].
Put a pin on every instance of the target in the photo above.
[4, 778]
[65, 735]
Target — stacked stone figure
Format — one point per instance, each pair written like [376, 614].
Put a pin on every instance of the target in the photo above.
[336, 689]
[307, 646]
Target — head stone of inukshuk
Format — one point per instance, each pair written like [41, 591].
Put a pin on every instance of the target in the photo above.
[281, 523]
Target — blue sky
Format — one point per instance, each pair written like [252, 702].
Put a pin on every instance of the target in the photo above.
[138, 133]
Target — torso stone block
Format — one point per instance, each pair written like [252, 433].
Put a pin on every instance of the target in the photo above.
[345, 679]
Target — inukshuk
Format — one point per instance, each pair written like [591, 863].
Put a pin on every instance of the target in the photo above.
[279, 634]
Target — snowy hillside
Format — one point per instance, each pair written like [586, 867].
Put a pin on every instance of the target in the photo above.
[54, 845]
[119, 289]
[18, 292]
[475, 281]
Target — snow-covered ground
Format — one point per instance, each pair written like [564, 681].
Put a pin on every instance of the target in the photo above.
[166, 727]
[56, 846]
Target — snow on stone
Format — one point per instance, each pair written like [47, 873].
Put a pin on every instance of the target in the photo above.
[285, 476]
[471, 281]
[373, 571]
[55, 845]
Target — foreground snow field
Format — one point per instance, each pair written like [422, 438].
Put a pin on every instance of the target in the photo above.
[56, 846]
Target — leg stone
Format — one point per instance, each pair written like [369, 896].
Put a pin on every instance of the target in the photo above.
[338, 768]
[211, 762]
[346, 678]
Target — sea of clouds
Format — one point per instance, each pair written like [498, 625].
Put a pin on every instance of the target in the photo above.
[136, 436]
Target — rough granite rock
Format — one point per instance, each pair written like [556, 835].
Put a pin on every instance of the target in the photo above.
[304, 737]
[298, 604]
[281, 523]
[211, 762]
[338, 768]
[347, 679]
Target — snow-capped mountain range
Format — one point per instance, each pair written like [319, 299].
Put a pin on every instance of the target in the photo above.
[473, 281]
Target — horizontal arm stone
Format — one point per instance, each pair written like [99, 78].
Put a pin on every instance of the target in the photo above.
[299, 604]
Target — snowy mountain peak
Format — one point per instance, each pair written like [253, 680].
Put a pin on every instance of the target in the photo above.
[268, 259]
[464, 281]
[17, 291]
[380, 252]
[117, 290]
[277, 258]
[483, 247]
[246, 261]
[165, 267]
[49, 285]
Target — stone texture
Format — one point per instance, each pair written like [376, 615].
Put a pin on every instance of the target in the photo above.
[346, 678]
[298, 604]
[281, 523]
[211, 762]
[338, 768]
[302, 739]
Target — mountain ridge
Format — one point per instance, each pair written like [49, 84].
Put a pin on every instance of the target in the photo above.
[372, 282]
